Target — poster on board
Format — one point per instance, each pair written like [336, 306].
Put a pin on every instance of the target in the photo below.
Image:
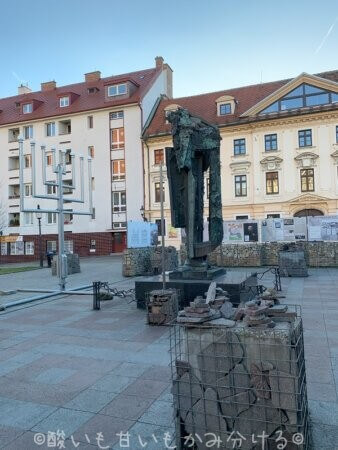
[141, 234]
[234, 232]
[250, 232]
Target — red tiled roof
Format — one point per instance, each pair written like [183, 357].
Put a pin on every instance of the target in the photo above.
[204, 105]
[83, 101]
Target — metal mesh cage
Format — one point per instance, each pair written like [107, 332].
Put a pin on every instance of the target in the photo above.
[243, 386]
[162, 306]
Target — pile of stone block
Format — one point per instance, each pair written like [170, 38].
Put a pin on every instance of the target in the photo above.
[148, 261]
[292, 264]
[73, 264]
[162, 306]
[235, 376]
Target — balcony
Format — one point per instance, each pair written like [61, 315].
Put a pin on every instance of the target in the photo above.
[64, 127]
[13, 134]
[13, 191]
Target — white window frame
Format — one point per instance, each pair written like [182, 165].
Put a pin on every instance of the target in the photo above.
[115, 115]
[17, 248]
[29, 248]
[52, 129]
[51, 218]
[28, 132]
[120, 206]
[64, 101]
[69, 246]
[119, 175]
[51, 190]
[28, 190]
[116, 89]
[52, 244]
[27, 108]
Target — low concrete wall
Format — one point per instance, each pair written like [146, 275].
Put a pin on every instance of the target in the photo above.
[317, 254]
[148, 261]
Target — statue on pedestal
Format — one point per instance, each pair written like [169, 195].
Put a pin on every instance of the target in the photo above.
[196, 150]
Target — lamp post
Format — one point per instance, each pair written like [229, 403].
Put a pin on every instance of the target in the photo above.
[39, 217]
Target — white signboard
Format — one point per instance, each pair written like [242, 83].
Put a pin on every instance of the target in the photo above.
[141, 234]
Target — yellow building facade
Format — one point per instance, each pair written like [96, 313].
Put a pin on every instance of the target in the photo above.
[279, 150]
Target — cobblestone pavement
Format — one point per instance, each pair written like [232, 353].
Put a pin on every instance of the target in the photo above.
[64, 366]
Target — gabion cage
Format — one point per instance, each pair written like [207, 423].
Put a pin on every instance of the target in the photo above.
[240, 387]
[162, 306]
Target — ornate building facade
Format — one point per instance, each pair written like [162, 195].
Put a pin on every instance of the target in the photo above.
[279, 148]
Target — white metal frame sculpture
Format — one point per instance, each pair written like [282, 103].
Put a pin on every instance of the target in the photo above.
[59, 169]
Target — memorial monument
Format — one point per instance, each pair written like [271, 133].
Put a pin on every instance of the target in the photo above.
[196, 149]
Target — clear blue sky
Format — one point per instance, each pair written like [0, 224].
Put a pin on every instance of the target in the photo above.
[210, 44]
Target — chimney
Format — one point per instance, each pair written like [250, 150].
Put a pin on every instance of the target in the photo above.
[92, 76]
[24, 89]
[48, 86]
[159, 62]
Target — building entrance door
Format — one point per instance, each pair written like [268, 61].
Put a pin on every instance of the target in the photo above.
[308, 213]
[119, 241]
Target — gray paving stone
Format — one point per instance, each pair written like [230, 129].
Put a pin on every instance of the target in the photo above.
[20, 414]
[91, 400]
[325, 437]
[160, 413]
[322, 392]
[127, 407]
[325, 413]
[65, 420]
[143, 433]
[9, 434]
[54, 375]
[113, 383]
[146, 388]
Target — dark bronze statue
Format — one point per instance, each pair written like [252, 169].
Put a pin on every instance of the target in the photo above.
[196, 149]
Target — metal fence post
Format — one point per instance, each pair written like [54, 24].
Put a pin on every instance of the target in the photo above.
[96, 295]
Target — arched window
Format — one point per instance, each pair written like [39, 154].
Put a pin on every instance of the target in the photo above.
[308, 213]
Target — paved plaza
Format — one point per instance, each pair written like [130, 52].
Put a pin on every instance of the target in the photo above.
[95, 374]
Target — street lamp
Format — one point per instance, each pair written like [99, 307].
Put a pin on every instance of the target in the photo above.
[39, 217]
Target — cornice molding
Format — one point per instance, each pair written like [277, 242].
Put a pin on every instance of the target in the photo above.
[240, 166]
[271, 163]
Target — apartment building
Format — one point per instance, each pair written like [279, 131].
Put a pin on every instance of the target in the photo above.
[279, 148]
[99, 117]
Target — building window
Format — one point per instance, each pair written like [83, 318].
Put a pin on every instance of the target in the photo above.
[50, 129]
[303, 96]
[307, 180]
[64, 101]
[159, 227]
[28, 190]
[51, 190]
[242, 217]
[91, 151]
[90, 122]
[68, 157]
[27, 161]
[118, 169]
[117, 138]
[27, 108]
[270, 142]
[49, 159]
[240, 186]
[28, 218]
[273, 216]
[116, 115]
[117, 89]
[51, 246]
[305, 138]
[29, 248]
[28, 132]
[51, 218]
[225, 109]
[272, 185]
[158, 192]
[17, 248]
[69, 246]
[239, 147]
[158, 156]
[119, 201]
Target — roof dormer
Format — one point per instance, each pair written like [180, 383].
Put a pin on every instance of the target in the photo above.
[225, 105]
[66, 99]
[28, 107]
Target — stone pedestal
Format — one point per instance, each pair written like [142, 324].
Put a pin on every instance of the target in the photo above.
[236, 379]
